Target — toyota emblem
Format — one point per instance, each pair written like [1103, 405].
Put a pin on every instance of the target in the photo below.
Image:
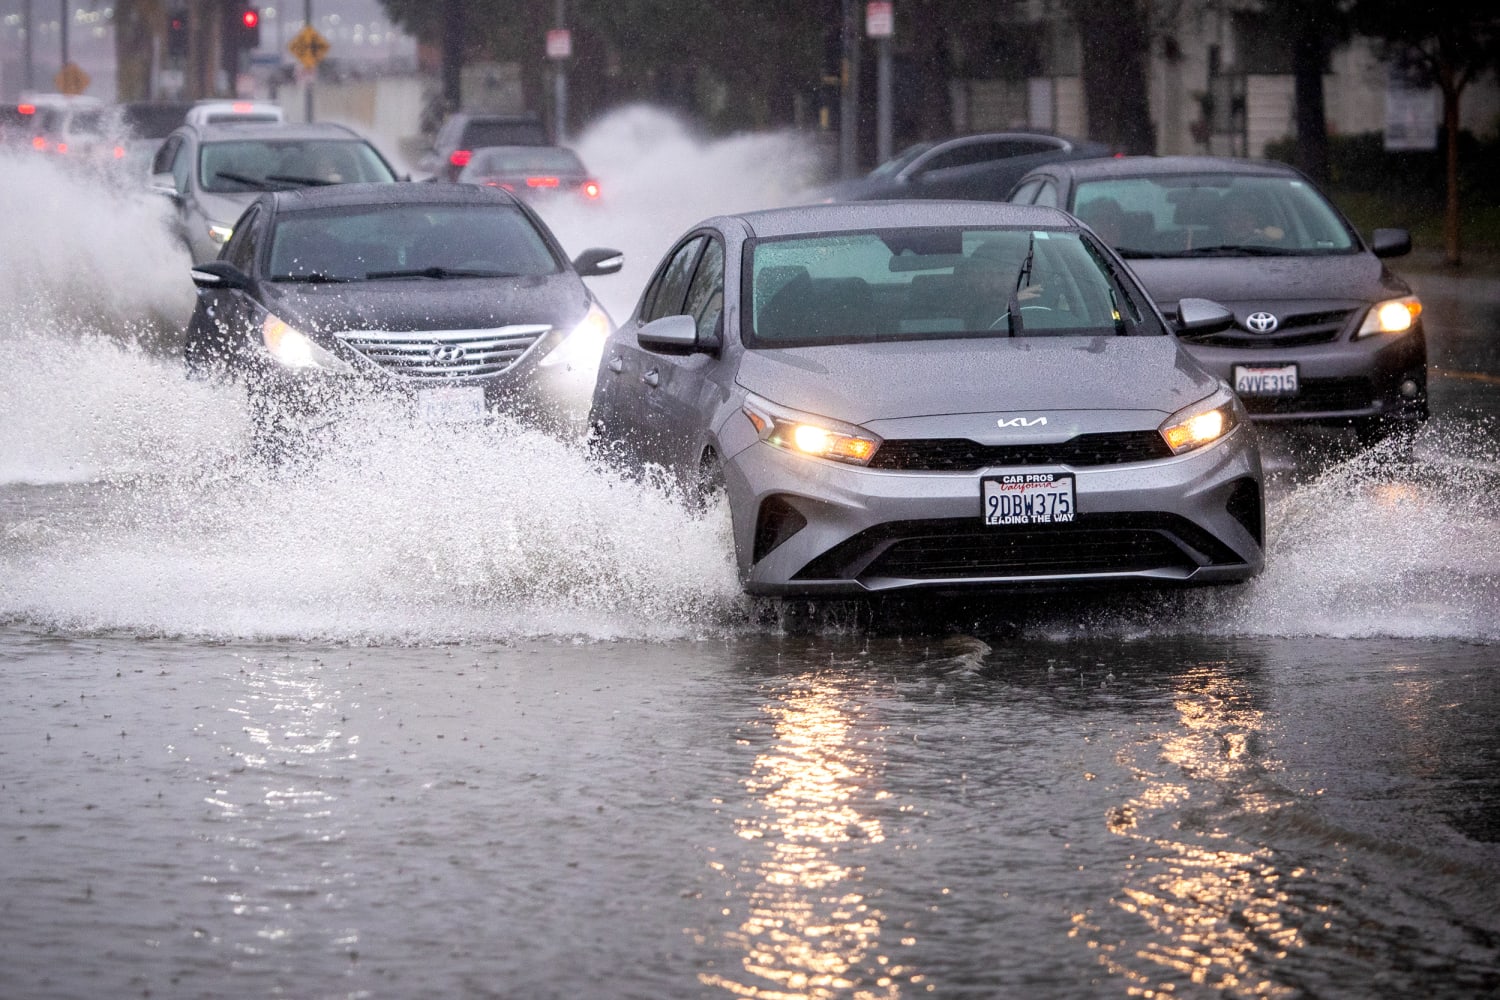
[1261, 322]
[447, 353]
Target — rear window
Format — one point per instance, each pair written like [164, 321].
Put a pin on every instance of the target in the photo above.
[914, 284]
[355, 243]
[1212, 215]
[503, 133]
[527, 159]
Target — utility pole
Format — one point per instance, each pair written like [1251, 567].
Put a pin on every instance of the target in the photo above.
[560, 82]
[849, 93]
[30, 56]
[63, 24]
[312, 74]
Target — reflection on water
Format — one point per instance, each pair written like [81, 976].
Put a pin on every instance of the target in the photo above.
[810, 930]
[1215, 909]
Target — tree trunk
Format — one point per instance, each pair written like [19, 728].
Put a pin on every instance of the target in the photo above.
[1451, 94]
[1115, 43]
[140, 28]
[1312, 126]
[453, 54]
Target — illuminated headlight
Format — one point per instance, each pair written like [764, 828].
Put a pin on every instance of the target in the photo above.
[581, 349]
[817, 437]
[294, 349]
[1203, 423]
[219, 234]
[1391, 316]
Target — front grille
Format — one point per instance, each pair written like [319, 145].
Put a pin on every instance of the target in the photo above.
[445, 354]
[1293, 331]
[957, 549]
[963, 455]
[1317, 395]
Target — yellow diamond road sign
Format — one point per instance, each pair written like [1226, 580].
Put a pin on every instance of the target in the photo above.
[71, 80]
[309, 47]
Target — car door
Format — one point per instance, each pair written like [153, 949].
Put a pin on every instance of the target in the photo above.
[685, 395]
[225, 321]
[624, 412]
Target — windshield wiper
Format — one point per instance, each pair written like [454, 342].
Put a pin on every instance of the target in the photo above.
[312, 278]
[440, 272]
[1023, 279]
[259, 183]
[1233, 250]
[304, 181]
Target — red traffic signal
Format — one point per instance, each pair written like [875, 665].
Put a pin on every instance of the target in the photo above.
[250, 18]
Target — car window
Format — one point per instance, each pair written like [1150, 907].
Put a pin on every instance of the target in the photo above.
[503, 133]
[526, 159]
[931, 283]
[1046, 195]
[162, 163]
[1026, 192]
[705, 296]
[985, 151]
[1197, 214]
[665, 296]
[269, 164]
[417, 240]
[243, 244]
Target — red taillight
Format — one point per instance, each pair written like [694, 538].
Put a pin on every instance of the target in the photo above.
[119, 152]
[62, 147]
[37, 142]
[242, 108]
[541, 182]
[26, 109]
[591, 189]
[461, 157]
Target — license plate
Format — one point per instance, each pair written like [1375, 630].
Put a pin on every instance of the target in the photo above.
[1028, 498]
[1270, 380]
[455, 404]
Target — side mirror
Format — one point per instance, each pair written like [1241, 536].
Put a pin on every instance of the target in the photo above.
[1202, 316]
[674, 334]
[597, 261]
[218, 276]
[164, 184]
[1390, 242]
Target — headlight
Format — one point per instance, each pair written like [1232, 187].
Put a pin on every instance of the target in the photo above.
[1203, 423]
[294, 349]
[805, 434]
[584, 344]
[219, 234]
[1391, 316]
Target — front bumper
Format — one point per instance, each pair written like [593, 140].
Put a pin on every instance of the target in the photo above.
[1339, 381]
[811, 527]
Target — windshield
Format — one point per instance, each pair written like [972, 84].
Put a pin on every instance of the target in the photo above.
[408, 241]
[1212, 215]
[916, 284]
[899, 162]
[273, 164]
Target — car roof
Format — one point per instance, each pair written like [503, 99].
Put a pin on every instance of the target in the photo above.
[899, 214]
[1158, 166]
[383, 193]
[273, 130]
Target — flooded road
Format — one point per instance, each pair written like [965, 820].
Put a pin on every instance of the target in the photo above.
[462, 714]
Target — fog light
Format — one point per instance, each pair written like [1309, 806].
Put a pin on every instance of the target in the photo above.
[1409, 389]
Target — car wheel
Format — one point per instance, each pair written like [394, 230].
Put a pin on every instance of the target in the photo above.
[707, 483]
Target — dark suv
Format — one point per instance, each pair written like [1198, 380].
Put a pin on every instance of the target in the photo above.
[465, 132]
[213, 172]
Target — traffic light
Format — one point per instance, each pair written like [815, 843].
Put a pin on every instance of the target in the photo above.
[241, 26]
[177, 32]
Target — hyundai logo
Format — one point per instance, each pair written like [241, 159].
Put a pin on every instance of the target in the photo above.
[1022, 422]
[447, 353]
[1261, 322]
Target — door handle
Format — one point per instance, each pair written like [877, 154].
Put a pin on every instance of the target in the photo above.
[617, 364]
[652, 378]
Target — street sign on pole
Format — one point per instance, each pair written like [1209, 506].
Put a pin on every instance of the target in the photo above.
[880, 19]
[309, 47]
[559, 44]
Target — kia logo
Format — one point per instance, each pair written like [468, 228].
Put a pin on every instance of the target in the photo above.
[1261, 322]
[447, 353]
[1022, 422]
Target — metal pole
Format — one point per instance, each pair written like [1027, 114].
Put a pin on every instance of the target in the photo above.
[883, 99]
[312, 74]
[64, 24]
[847, 105]
[560, 85]
[30, 58]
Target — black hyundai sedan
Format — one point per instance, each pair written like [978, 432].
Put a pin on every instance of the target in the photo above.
[1324, 332]
[455, 298]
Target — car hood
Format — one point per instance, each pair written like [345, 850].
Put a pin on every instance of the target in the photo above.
[225, 209]
[1362, 277]
[414, 304]
[905, 379]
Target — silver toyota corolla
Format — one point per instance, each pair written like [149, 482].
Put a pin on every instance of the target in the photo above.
[934, 395]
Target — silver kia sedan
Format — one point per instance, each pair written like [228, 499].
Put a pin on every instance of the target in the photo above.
[903, 396]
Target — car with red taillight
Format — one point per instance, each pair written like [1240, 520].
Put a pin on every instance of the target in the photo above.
[454, 145]
[538, 174]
